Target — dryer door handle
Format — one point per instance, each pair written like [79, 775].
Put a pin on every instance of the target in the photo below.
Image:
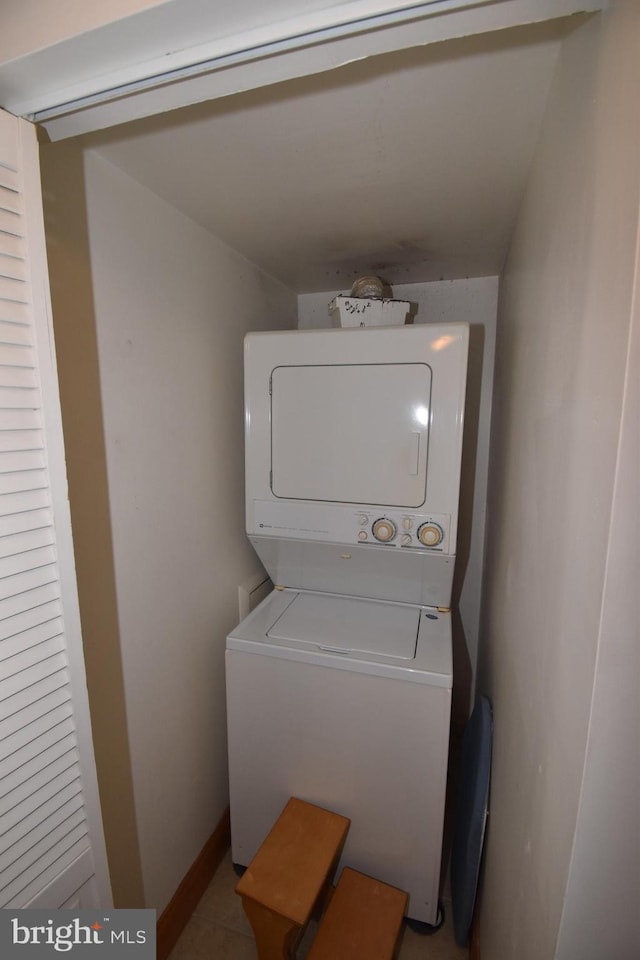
[414, 453]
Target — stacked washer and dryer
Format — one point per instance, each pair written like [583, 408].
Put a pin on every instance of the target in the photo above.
[339, 683]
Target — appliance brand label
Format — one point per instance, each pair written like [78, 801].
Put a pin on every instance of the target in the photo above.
[80, 934]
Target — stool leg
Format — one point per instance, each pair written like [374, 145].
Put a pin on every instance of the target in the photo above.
[276, 937]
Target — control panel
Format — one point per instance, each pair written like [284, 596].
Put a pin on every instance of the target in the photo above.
[403, 529]
[374, 526]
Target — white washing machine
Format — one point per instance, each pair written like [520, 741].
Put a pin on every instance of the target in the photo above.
[339, 683]
[345, 703]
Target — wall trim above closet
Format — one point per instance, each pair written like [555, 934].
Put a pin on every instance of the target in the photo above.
[173, 54]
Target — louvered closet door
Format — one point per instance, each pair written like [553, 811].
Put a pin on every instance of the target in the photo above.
[51, 842]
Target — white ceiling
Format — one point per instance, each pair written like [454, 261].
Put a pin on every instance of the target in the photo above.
[409, 165]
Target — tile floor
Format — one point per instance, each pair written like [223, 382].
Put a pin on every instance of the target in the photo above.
[218, 930]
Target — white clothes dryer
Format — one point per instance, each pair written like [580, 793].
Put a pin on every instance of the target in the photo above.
[353, 439]
[345, 703]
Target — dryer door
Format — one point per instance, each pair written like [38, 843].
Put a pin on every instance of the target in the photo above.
[351, 433]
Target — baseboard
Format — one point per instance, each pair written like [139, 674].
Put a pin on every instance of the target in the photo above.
[474, 945]
[176, 915]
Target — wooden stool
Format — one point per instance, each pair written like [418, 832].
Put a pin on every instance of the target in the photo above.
[288, 874]
[362, 921]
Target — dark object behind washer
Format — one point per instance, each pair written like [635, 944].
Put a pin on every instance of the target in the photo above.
[471, 816]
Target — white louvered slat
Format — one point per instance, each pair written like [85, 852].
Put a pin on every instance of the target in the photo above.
[9, 187]
[48, 806]
[27, 746]
[62, 766]
[14, 523]
[12, 247]
[13, 267]
[61, 797]
[77, 842]
[33, 713]
[26, 541]
[10, 194]
[16, 662]
[13, 289]
[16, 441]
[13, 461]
[18, 377]
[11, 222]
[29, 419]
[20, 481]
[26, 561]
[13, 649]
[12, 503]
[31, 579]
[18, 398]
[23, 624]
[43, 803]
[48, 691]
[30, 848]
[15, 400]
[9, 178]
[43, 821]
[12, 331]
[16, 650]
[10, 197]
[35, 679]
[51, 866]
[16, 354]
[23, 603]
[14, 311]
[28, 647]
[23, 742]
[13, 779]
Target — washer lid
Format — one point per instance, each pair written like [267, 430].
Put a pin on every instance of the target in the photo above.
[347, 625]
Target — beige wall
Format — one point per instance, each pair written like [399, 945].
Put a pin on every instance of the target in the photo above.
[72, 300]
[170, 307]
[600, 914]
[29, 25]
[561, 352]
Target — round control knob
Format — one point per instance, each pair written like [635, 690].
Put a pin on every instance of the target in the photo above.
[384, 530]
[430, 534]
[362, 535]
[405, 540]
